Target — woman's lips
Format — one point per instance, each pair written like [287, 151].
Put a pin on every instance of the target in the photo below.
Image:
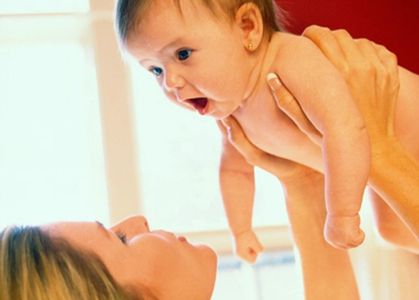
[200, 104]
[182, 239]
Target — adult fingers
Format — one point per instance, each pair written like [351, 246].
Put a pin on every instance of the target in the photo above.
[290, 106]
[354, 59]
[375, 70]
[253, 155]
[387, 80]
[390, 63]
[326, 41]
[222, 128]
[369, 51]
[238, 139]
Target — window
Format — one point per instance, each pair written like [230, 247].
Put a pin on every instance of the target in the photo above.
[51, 161]
[52, 145]
[274, 274]
[8, 7]
[178, 160]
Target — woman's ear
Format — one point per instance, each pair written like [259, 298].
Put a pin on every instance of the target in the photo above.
[250, 23]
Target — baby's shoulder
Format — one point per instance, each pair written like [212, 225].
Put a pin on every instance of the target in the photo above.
[291, 45]
[290, 51]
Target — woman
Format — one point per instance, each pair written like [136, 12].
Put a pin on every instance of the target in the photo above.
[82, 260]
[128, 261]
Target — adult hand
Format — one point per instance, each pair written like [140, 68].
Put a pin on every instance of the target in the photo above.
[371, 72]
[288, 172]
[290, 106]
[322, 264]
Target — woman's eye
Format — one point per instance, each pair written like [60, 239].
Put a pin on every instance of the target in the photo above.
[122, 236]
[183, 54]
[156, 71]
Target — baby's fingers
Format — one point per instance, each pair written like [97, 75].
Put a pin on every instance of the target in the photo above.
[248, 255]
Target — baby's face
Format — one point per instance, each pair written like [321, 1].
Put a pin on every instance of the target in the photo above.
[198, 59]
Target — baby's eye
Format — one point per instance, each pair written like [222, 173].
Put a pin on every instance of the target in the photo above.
[156, 71]
[183, 54]
[122, 236]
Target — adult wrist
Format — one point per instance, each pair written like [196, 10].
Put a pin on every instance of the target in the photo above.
[302, 181]
[384, 154]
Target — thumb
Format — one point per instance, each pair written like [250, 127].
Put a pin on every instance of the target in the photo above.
[287, 103]
[283, 98]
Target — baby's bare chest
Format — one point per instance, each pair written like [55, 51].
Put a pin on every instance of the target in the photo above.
[268, 128]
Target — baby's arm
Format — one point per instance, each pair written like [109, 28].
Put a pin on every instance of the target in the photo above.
[327, 272]
[326, 100]
[237, 189]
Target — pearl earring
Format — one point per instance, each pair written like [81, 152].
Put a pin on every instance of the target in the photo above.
[250, 46]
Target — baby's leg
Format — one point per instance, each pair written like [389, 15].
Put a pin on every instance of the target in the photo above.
[347, 165]
[390, 226]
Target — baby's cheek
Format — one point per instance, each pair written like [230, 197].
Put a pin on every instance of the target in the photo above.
[171, 96]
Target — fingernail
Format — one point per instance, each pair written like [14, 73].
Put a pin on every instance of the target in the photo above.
[273, 81]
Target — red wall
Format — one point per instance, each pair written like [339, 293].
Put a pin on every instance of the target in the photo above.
[394, 24]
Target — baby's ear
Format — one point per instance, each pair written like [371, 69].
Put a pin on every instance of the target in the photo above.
[249, 20]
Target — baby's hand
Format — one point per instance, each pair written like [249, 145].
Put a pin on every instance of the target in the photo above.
[343, 232]
[247, 246]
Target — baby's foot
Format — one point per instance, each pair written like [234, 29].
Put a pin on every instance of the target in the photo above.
[343, 232]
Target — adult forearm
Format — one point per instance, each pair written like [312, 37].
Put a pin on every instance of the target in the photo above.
[395, 177]
[327, 272]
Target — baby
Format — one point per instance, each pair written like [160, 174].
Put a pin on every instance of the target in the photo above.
[213, 57]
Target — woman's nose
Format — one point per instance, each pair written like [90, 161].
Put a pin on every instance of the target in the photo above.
[132, 226]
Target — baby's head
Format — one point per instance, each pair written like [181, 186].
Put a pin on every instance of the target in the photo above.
[129, 13]
[203, 53]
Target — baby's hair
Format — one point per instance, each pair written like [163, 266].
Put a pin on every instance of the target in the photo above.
[128, 13]
[35, 266]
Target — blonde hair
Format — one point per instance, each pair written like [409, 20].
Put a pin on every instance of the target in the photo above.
[129, 12]
[34, 266]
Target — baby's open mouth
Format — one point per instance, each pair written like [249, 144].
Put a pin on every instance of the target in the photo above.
[200, 104]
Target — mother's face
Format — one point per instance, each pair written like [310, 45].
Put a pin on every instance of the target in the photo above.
[166, 264]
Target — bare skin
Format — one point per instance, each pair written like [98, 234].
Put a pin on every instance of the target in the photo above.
[386, 109]
[189, 59]
[343, 153]
[323, 265]
[303, 185]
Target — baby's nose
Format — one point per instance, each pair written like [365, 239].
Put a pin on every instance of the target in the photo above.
[173, 81]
